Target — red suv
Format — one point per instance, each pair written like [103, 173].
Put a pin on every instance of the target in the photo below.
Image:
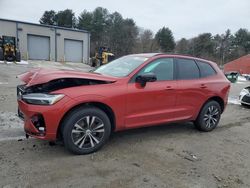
[133, 91]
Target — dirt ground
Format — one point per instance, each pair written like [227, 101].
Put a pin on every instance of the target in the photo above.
[175, 155]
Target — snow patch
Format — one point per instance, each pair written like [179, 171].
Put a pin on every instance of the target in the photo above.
[240, 82]
[233, 100]
[22, 62]
[9, 120]
[6, 138]
[241, 79]
[3, 83]
[11, 127]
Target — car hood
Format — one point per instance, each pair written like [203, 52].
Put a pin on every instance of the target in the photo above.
[40, 76]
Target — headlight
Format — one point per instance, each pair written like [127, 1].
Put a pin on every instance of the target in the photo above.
[41, 98]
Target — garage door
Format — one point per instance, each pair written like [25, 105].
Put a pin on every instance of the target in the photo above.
[73, 50]
[38, 47]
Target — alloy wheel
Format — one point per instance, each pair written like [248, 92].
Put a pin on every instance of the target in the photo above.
[211, 117]
[88, 132]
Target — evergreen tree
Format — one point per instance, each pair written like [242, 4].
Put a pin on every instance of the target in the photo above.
[165, 39]
[48, 18]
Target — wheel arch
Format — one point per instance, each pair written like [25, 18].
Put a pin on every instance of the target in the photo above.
[106, 108]
[217, 99]
[213, 98]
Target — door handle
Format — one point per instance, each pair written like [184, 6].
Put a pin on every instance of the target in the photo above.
[169, 88]
[203, 86]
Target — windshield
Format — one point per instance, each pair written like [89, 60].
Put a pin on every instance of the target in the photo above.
[121, 67]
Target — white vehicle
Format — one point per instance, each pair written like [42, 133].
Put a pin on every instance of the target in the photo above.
[245, 97]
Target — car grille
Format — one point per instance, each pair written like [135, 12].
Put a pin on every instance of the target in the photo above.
[20, 91]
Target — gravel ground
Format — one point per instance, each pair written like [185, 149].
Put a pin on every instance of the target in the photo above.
[175, 155]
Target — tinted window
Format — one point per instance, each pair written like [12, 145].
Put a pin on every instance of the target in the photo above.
[206, 69]
[187, 69]
[163, 69]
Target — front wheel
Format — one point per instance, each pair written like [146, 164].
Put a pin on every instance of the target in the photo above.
[209, 116]
[9, 58]
[86, 130]
[18, 56]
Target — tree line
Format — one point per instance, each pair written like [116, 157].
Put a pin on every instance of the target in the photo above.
[123, 36]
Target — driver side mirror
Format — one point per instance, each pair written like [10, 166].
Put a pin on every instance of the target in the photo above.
[145, 77]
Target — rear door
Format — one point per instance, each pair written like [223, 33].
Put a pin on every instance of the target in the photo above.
[192, 92]
[154, 103]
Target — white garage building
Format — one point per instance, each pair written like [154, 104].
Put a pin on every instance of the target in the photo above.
[45, 42]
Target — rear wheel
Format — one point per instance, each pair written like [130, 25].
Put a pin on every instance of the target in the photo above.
[92, 62]
[1, 54]
[18, 56]
[209, 116]
[85, 130]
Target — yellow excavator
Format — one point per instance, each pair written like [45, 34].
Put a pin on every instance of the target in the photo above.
[8, 49]
[102, 56]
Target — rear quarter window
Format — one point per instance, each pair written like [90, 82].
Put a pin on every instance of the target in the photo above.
[206, 69]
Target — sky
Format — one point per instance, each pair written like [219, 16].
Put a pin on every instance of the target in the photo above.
[186, 18]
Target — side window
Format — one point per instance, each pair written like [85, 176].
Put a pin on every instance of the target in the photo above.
[163, 69]
[206, 69]
[187, 69]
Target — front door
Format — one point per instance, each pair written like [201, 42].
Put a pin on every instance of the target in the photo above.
[155, 102]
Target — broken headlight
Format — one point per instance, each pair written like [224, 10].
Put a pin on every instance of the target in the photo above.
[41, 98]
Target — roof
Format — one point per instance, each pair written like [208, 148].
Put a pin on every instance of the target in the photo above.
[243, 59]
[43, 25]
[241, 65]
[149, 55]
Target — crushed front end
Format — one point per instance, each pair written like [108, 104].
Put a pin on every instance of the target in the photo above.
[41, 113]
[42, 102]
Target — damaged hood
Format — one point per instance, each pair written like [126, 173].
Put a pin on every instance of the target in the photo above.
[40, 76]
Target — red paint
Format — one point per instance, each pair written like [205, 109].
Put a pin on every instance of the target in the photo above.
[241, 65]
[39, 76]
[133, 106]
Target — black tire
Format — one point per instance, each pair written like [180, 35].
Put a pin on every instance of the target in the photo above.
[9, 58]
[81, 134]
[18, 56]
[92, 63]
[1, 54]
[209, 116]
[245, 105]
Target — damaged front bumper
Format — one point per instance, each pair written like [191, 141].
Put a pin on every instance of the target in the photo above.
[41, 121]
